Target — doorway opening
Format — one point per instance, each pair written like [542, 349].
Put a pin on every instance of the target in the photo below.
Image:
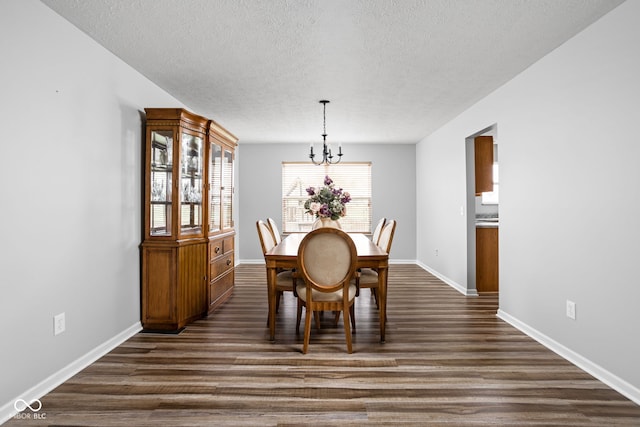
[483, 217]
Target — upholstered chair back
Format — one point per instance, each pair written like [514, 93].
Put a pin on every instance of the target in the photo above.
[375, 237]
[327, 257]
[274, 230]
[266, 238]
[386, 235]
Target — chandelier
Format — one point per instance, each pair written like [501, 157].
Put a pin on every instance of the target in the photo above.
[327, 157]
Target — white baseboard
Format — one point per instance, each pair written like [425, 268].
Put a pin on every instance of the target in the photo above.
[613, 381]
[251, 261]
[458, 287]
[8, 410]
[403, 261]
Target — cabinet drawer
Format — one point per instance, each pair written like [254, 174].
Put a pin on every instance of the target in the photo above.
[227, 245]
[222, 246]
[220, 289]
[217, 248]
[220, 265]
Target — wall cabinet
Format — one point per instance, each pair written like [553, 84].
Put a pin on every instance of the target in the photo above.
[483, 146]
[188, 199]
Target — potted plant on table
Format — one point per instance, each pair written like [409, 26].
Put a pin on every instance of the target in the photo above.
[327, 204]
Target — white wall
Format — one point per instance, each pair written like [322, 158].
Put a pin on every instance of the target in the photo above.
[260, 194]
[70, 197]
[569, 206]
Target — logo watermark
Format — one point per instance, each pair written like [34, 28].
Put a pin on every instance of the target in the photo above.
[34, 406]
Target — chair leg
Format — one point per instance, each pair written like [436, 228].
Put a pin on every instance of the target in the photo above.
[278, 297]
[298, 316]
[352, 316]
[316, 315]
[307, 330]
[347, 330]
[374, 292]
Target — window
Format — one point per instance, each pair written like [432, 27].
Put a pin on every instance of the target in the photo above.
[491, 198]
[354, 178]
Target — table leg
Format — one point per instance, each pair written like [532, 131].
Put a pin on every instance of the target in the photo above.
[271, 290]
[382, 299]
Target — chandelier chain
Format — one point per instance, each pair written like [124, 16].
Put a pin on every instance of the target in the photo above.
[324, 116]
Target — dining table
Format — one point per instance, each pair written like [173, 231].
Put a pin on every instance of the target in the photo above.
[285, 256]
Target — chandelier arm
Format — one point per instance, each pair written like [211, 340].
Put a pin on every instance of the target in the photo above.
[311, 156]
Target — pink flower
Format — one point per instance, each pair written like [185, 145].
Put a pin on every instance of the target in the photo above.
[315, 207]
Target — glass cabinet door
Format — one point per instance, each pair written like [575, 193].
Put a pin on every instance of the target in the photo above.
[191, 156]
[215, 183]
[161, 183]
[227, 189]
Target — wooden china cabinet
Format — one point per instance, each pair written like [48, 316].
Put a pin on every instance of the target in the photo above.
[188, 250]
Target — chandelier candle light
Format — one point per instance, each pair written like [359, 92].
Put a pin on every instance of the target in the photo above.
[327, 157]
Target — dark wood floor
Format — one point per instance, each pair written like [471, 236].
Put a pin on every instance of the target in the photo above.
[447, 361]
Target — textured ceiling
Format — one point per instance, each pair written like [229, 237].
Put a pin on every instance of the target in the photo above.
[394, 70]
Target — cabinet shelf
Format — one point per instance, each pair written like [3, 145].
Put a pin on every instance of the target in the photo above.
[161, 167]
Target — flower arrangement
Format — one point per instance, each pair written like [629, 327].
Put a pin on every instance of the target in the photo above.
[327, 201]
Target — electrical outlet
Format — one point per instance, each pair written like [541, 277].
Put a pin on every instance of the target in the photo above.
[571, 310]
[436, 252]
[58, 324]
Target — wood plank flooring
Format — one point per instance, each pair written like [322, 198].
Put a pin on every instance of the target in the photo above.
[448, 360]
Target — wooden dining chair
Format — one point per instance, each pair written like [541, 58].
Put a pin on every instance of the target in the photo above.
[376, 231]
[326, 262]
[274, 230]
[285, 279]
[368, 277]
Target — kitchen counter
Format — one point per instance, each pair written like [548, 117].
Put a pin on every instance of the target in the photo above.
[487, 224]
[487, 221]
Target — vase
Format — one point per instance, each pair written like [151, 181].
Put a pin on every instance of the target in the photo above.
[326, 222]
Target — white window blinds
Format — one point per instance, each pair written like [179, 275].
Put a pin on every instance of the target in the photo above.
[354, 178]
